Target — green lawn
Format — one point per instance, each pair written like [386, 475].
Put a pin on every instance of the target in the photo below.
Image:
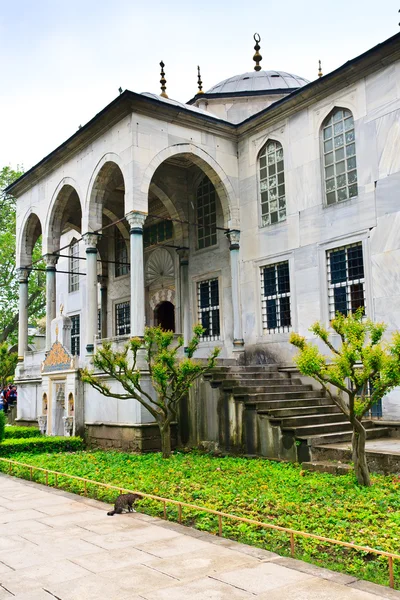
[279, 493]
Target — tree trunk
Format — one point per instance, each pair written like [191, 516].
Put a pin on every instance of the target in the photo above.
[165, 432]
[359, 456]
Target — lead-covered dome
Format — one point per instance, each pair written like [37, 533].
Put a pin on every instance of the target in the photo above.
[259, 82]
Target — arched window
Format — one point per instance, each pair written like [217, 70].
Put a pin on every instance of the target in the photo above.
[272, 183]
[74, 266]
[206, 214]
[339, 149]
[121, 254]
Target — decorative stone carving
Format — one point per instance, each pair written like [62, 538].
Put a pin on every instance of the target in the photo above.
[58, 359]
[42, 422]
[51, 261]
[136, 219]
[234, 238]
[68, 426]
[164, 295]
[23, 274]
[160, 268]
[91, 239]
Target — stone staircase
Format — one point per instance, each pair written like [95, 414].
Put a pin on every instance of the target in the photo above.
[265, 411]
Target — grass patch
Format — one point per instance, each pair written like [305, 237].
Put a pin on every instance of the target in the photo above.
[33, 445]
[278, 493]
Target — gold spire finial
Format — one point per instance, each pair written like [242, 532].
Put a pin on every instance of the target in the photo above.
[163, 81]
[257, 56]
[319, 69]
[57, 333]
[199, 81]
[61, 308]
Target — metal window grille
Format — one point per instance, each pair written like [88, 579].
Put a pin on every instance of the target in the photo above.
[206, 214]
[99, 323]
[375, 411]
[346, 283]
[157, 233]
[75, 335]
[275, 297]
[73, 267]
[339, 148]
[123, 318]
[272, 184]
[208, 308]
[121, 254]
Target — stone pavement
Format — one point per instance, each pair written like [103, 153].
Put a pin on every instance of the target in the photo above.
[57, 545]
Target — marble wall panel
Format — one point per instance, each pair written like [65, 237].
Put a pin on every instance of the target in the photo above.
[388, 194]
[387, 309]
[388, 143]
[381, 87]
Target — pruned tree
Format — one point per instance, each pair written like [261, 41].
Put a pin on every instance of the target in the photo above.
[171, 375]
[363, 368]
[8, 274]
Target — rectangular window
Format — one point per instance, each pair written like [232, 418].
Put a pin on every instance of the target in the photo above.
[120, 254]
[157, 233]
[99, 323]
[75, 335]
[208, 308]
[275, 297]
[123, 318]
[73, 283]
[206, 210]
[346, 283]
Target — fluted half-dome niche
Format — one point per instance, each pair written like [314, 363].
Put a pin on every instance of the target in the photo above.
[160, 267]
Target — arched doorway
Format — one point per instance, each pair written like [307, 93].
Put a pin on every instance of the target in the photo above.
[164, 315]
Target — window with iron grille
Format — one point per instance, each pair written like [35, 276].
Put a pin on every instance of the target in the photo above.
[272, 183]
[339, 149]
[375, 412]
[206, 214]
[121, 254]
[346, 283]
[123, 318]
[275, 297]
[208, 308]
[99, 323]
[73, 282]
[75, 335]
[159, 232]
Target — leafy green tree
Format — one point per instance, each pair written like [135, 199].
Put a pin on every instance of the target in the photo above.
[8, 274]
[363, 368]
[8, 362]
[171, 375]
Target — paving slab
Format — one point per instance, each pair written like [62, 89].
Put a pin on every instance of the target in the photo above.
[54, 544]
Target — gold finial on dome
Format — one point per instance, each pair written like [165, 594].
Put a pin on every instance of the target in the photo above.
[199, 81]
[163, 81]
[257, 56]
[319, 69]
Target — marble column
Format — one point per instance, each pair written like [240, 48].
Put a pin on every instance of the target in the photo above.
[91, 240]
[234, 236]
[103, 306]
[23, 275]
[51, 262]
[136, 221]
[184, 293]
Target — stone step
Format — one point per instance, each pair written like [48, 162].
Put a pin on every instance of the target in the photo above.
[266, 387]
[262, 395]
[264, 406]
[316, 419]
[317, 429]
[247, 368]
[272, 376]
[299, 411]
[326, 466]
[333, 438]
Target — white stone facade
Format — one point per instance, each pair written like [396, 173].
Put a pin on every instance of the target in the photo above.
[141, 161]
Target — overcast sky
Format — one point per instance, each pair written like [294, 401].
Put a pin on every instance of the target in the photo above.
[64, 60]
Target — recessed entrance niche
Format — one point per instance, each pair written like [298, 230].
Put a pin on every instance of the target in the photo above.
[164, 315]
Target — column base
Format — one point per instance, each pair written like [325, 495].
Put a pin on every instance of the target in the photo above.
[20, 359]
[90, 348]
[239, 342]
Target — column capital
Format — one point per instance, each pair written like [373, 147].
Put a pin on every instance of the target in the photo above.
[51, 261]
[102, 280]
[183, 254]
[136, 220]
[23, 274]
[233, 236]
[91, 239]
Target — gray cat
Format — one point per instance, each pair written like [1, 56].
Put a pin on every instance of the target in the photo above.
[124, 501]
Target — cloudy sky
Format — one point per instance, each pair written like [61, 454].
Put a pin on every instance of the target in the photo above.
[64, 60]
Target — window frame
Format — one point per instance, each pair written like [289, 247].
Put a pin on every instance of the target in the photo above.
[76, 335]
[345, 284]
[259, 182]
[209, 309]
[124, 269]
[277, 297]
[73, 267]
[117, 303]
[196, 215]
[322, 126]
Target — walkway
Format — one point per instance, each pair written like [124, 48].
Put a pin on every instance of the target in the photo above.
[57, 545]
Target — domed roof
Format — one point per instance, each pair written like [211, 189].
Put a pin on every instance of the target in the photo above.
[258, 81]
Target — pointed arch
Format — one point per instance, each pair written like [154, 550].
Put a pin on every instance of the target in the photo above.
[107, 175]
[29, 233]
[65, 210]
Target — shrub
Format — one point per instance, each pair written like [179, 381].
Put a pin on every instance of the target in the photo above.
[41, 444]
[2, 425]
[15, 432]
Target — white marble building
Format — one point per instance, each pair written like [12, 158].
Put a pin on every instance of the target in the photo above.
[256, 208]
